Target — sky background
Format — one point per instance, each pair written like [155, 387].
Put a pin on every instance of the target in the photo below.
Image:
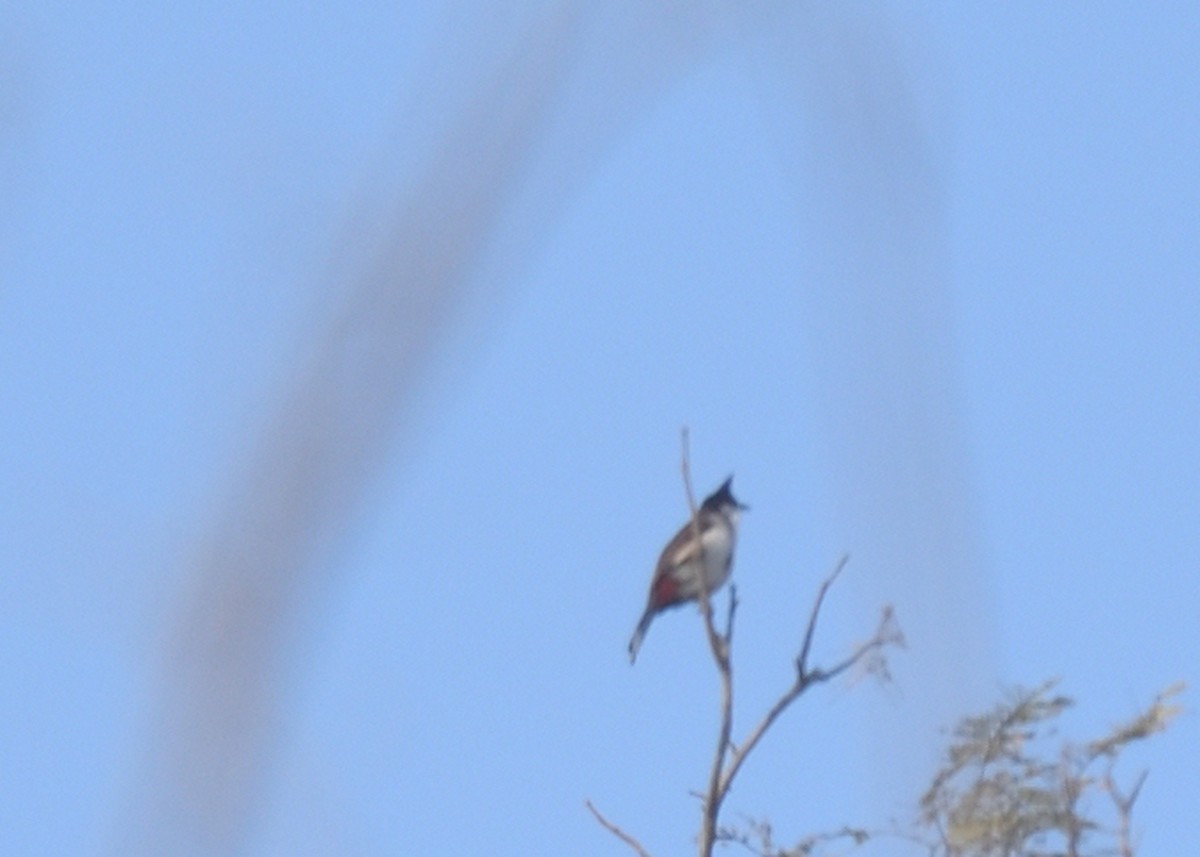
[344, 354]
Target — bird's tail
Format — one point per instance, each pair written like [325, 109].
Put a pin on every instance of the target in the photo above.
[635, 642]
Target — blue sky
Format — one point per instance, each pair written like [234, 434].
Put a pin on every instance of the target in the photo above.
[925, 278]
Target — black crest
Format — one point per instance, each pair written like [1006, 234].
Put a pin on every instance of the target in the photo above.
[721, 498]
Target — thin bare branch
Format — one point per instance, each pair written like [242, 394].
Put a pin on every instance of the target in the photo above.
[802, 660]
[685, 466]
[616, 831]
[715, 794]
[1127, 803]
[727, 756]
[733, 605]
[720, 648]
[757, 837]
[885, 634]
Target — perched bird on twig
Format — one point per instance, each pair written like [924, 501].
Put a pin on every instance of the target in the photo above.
[677, 575]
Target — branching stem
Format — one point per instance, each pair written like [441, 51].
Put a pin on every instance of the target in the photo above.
[729, 757]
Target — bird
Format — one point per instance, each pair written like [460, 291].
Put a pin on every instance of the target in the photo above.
[677, 576]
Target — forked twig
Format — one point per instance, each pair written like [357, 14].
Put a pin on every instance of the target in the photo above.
[1124, 806]
[728, 757]
[885, 634]
[802, 660]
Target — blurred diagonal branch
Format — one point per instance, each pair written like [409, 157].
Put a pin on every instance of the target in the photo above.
[508, 146]
[305, 477]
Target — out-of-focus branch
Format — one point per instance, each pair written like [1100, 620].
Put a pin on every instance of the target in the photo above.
[1124, 806]
[256, 561]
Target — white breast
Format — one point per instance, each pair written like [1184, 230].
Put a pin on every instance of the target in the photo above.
[718, 555]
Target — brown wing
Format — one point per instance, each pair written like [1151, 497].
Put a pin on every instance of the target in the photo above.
[681, 549]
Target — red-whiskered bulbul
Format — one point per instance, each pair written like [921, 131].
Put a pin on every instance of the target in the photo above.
[677, 575]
